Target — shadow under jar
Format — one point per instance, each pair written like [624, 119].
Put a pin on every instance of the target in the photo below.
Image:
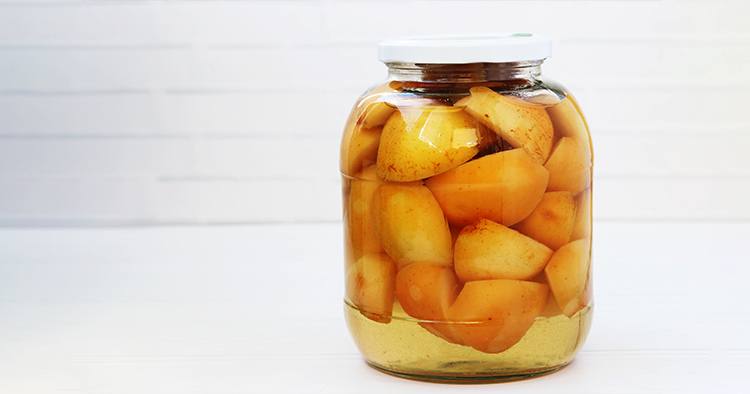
[467, 213]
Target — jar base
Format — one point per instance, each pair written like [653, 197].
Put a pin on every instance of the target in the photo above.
[467, 378]
[403, 347]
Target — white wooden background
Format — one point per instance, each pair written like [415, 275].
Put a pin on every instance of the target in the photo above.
[153, 112]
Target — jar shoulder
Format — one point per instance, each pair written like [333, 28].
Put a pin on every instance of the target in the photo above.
[544, 92]
[544, 104]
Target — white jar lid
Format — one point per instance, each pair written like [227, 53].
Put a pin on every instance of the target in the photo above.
[498, 48]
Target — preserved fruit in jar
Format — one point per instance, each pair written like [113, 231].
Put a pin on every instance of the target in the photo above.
[467, 183]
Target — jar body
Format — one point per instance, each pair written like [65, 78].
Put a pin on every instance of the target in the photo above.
[467, 228]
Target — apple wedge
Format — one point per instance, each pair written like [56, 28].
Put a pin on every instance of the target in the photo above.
[504, 187]
[370, 284]
[425, 292]
[552, 221]
[568, 121]
[488, 250]
[523, 125]
[375, 115]
[370, 113]
[412, 226]
[361, 218]
[568, 275]
[551, 309]
[582, 226]
[569, 166]
[417, 143]
[495, 314]
[362, 150]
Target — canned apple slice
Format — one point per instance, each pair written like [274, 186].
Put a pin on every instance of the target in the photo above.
[419, 142]
[582, 226]
[488, 250]
[362, 149]
[375, 115]
[567, 120]
[496, 313]
[361, 218]
[567, 274]
[504, 187]
[552, 221]
[412, 226]
[569, 166]
[522, 124]
[370, 283]
[425, 292]
[362, 132]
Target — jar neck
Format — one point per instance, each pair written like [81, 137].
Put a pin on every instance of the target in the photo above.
[465, 73]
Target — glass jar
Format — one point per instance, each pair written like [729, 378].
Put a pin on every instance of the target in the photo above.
[467, 213]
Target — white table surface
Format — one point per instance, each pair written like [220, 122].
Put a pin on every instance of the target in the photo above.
[257, 309]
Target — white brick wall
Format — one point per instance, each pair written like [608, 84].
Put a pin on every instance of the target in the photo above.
[146, 111]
